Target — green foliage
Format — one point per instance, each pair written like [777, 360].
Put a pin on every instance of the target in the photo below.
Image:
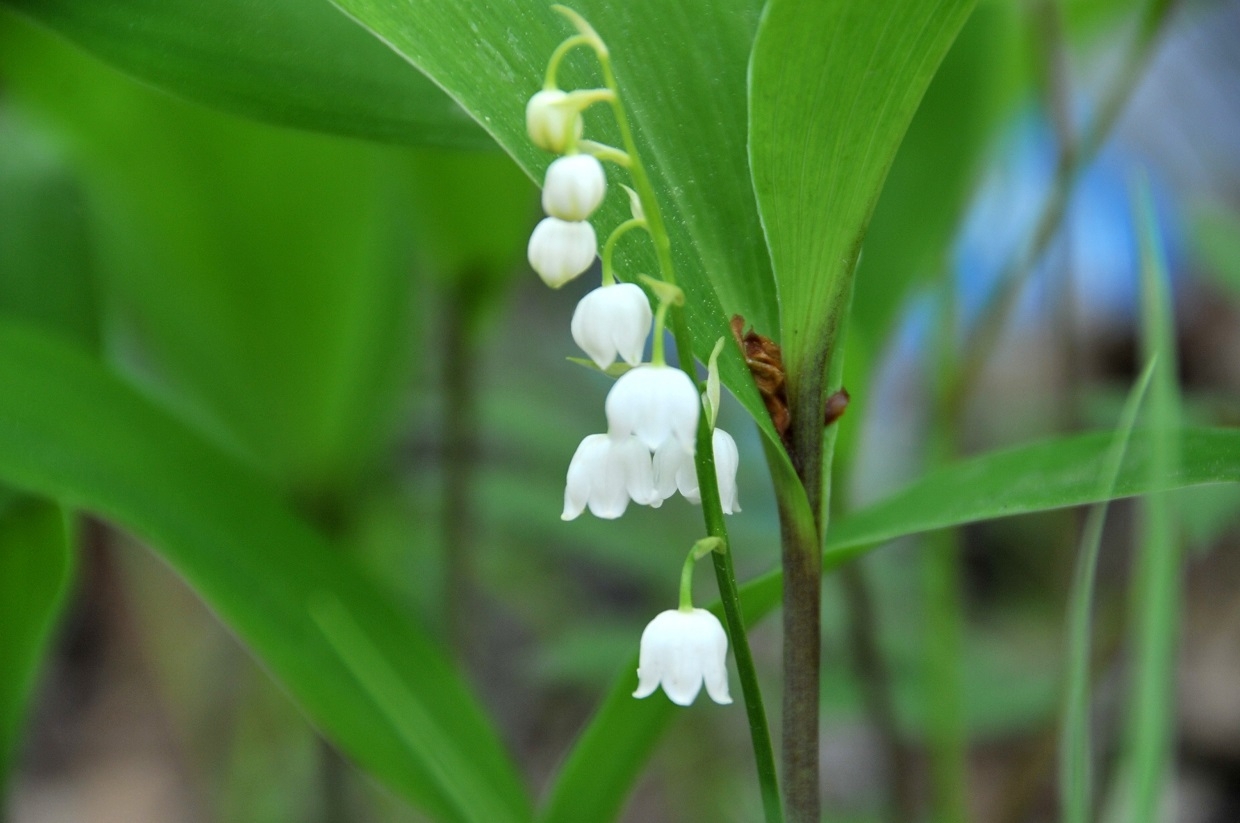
[262, 284]
[293, 62]
[1158, 575]
[935, 170]
[35, 569]
[1054, 474]
[1075, 749]
[71, 430]
[266, 272]
[45, 253]
[1048, 475]
[832, 91]
[682, 69]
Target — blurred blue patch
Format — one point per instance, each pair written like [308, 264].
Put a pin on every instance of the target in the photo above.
[1094, 250]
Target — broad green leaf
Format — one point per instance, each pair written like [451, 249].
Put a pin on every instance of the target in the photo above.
[936, 168]
[1049, 475]
[1058, 473]
[681, 69]
[46, 265]
[264, 274]
[35, 570]
[292, 62]
[71, 430]
[832, 89]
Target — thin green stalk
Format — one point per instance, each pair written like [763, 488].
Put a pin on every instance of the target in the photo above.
[1156, 595]
[1075, 766]
[712, 509]
[609, 248]
[944, 595]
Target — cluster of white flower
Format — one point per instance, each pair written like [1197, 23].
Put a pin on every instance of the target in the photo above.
[653, 410]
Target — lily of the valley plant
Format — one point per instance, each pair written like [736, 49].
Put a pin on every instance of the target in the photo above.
[661, 436]
[658, 439]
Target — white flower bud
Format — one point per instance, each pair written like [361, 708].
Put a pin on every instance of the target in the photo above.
[613, 321]
[547, 120]
[727, 461]
[574, 187]
[656, 403]
[673, 470]
[679, 651]
[560, 250]
[604, 474]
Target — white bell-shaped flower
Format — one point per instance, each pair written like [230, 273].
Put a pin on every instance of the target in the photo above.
[674, 470]
[547, 120]
[574, 187]
[605, 473]
[656, 403]
[680, 650]
[560, 250]
[613, 321]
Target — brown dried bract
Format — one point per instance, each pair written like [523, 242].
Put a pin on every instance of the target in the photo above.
[766, 364]
[837, 404]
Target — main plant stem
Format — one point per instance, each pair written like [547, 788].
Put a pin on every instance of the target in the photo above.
[802, 563]
[712, 508]
[812, 451]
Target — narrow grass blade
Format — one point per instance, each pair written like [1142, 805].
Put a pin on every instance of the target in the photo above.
[1075, 769]
[1155, 604]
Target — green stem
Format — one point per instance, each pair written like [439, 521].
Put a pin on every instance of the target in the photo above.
[802, 533]
[1158, 576]
[700, 549]
[945, 622]
[553, 65]
[609, 248]
[656, 347]
[712, 508]
[686, 580]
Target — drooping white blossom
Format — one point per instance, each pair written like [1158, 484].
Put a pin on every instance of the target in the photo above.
[680, 650]
[613, 321]
[605, 474]
[574, 187]
[547, 120]
[674, 470]
[656, 403]
[560, 250]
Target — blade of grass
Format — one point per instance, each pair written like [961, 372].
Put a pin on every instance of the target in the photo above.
[1156, 587]
[1075, 768]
